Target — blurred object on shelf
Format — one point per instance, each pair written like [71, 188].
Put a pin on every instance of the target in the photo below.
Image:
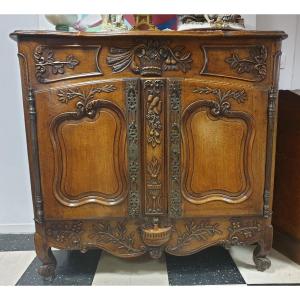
[90, 23]
[62, 22]
[160, 22]
[210, 22]
[143, 22]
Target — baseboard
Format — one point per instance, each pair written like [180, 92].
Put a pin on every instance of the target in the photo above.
[287, 245]
[17, 228]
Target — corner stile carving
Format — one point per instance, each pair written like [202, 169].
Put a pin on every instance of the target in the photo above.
[175, 209]
[149, 58]
[132, 96]
[271, 114]
[254, 64]
[36, 189]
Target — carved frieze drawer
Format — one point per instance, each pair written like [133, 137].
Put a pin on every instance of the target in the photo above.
[56, 63]
[247, 63]
[130, 238]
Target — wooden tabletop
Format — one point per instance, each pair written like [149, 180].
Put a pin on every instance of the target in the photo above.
[203, 33]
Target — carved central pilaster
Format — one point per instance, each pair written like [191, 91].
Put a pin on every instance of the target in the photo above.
[154, 145]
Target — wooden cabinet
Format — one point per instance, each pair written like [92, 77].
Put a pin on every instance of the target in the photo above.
[144, 142]
[286, 219]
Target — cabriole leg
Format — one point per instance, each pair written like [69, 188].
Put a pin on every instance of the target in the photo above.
[44, 253]
[262, 249]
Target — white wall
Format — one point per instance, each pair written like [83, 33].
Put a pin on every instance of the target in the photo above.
[15, 198]
[296, 71]
[289, 73]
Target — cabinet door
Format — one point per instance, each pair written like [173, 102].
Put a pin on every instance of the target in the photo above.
[83, 149]
[223, 144]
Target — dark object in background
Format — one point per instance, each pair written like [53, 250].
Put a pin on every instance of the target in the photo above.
[286, 217]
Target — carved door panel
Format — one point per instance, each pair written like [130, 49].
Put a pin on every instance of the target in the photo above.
[83, 148]
[223, 141]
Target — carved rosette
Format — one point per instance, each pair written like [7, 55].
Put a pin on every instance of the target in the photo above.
[46, 62]
[133, 131]
[67, 233]
[242, 232]
[256, 63]
[175, 209]
[149, 58]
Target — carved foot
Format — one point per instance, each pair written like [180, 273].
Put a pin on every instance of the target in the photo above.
[262, 263]
[44, 253]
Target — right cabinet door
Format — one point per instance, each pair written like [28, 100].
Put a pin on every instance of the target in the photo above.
[223, 146]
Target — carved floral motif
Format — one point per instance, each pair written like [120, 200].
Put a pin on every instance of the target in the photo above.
[175, 140]
[201, 231]
[132, 101]
[45, 61]
[154, 186]
[149, 58]
[67, 233]
[87, 105]
[105, 233]
[221, 105]
[242, 232]
[255, 63]
[154, 109]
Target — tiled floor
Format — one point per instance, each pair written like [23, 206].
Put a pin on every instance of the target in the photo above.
[212, 266]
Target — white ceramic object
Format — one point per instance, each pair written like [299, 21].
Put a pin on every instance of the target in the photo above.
[61, 21]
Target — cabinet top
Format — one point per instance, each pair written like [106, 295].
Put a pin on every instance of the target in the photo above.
[205, 34]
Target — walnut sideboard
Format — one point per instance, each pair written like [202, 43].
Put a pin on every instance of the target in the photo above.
[145, 142]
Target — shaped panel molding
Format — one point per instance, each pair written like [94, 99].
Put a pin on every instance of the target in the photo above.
[213, 113]
[91, 122]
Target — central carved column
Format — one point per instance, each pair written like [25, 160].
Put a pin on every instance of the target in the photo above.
[154, 146]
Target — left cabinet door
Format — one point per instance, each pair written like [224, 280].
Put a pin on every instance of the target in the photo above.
[83, 149]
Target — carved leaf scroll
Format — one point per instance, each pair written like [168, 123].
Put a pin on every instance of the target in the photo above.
[195, 231]
[45, 61]
[86, 105]
[255, 63]
[222, 104]
[105, 233]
